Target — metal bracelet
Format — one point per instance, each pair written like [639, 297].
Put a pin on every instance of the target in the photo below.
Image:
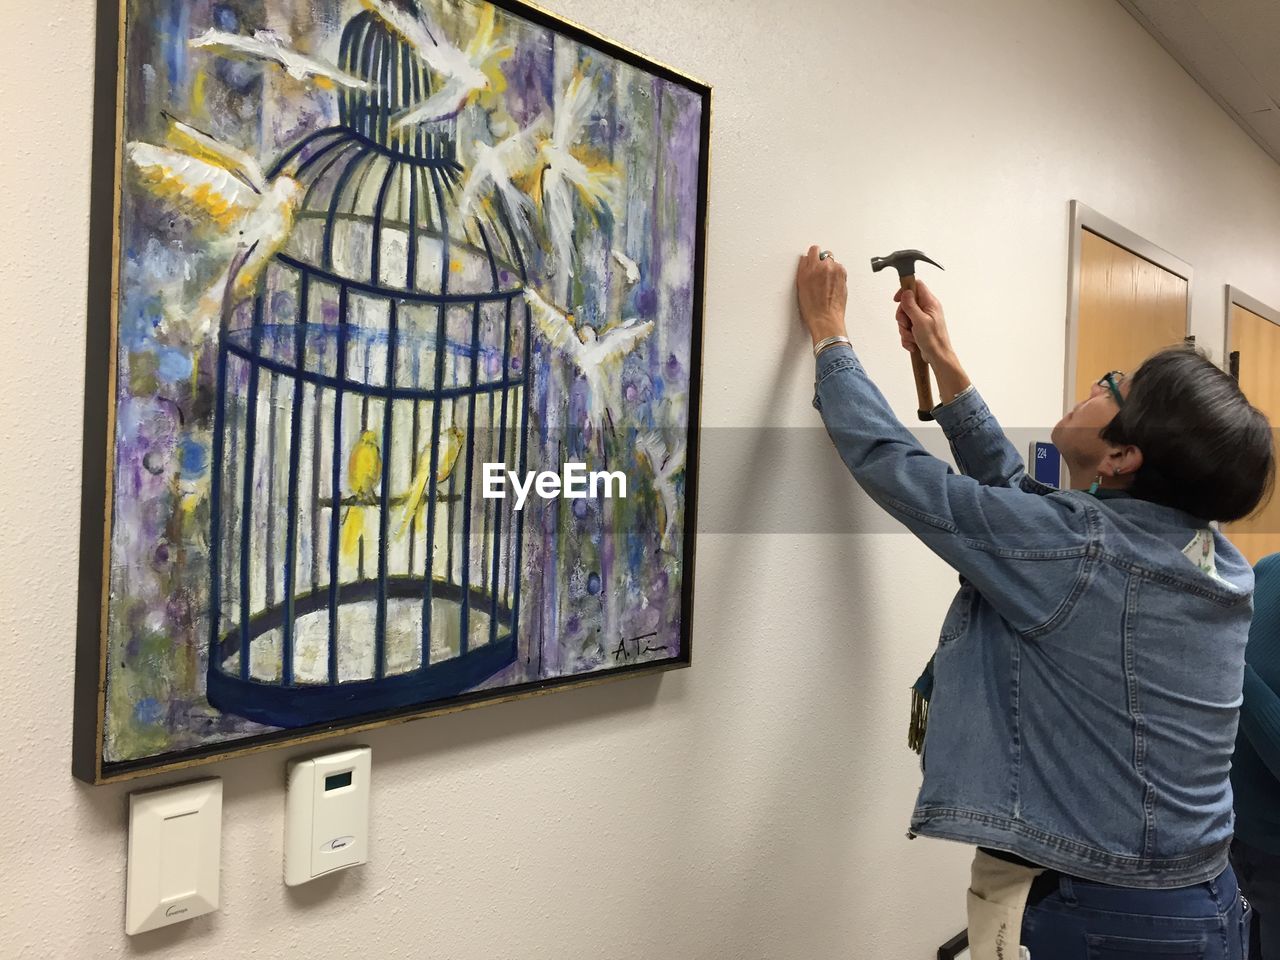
[829, 342]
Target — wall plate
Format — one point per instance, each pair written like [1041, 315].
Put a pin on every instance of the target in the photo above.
[175, 841]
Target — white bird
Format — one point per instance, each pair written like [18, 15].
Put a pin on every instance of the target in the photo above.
[629, 268]
[493, 168]
[665, 465]
[225, 187]
[595, 355]
[463, 73]
[269, 45]
[568, 167]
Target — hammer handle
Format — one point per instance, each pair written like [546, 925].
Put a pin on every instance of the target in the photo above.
[920, 369]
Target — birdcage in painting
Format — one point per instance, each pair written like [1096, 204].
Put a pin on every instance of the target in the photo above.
[383, 359]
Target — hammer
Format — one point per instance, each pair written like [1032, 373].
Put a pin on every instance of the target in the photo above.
[904, 261]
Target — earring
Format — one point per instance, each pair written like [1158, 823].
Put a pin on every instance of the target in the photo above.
[1097, 482]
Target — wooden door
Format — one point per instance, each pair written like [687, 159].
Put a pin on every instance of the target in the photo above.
[1129, 309]
[1257, 340]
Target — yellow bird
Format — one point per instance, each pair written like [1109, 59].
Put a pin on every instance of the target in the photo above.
[364, 471]
[448, 447]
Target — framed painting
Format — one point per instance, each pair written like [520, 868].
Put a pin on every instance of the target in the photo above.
[393, 369]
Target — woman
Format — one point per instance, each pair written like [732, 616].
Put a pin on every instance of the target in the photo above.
[1255, 769]
[1087, 679]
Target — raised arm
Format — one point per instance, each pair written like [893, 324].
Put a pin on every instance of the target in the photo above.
[980, 447]
[1022, 551]
[978, 444]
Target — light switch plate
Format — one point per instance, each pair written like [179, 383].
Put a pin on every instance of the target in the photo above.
[175, 842]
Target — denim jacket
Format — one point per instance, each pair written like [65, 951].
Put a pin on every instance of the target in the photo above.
[1088, 674]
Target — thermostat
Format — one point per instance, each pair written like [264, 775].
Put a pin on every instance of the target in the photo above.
[326, 814]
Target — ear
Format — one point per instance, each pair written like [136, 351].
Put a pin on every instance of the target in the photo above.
[1123, 462]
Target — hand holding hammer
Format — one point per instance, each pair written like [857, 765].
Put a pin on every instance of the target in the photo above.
[904, 261]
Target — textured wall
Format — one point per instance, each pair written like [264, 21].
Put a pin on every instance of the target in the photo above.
[539, 829]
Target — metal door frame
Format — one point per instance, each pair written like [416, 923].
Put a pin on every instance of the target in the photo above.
[1084, 217]
[1238, 298]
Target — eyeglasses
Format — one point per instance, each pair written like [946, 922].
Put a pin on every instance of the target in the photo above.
[1111, 380]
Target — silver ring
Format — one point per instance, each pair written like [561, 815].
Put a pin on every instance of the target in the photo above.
[824, 255]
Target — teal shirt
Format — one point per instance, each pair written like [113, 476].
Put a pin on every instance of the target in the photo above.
[1255, 769]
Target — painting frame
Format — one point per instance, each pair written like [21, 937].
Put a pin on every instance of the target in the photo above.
[99, 426]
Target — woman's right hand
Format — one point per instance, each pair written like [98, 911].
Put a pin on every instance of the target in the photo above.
[922, 325]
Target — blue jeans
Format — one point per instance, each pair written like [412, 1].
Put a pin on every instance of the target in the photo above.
[1260, 879]
[1072, 919]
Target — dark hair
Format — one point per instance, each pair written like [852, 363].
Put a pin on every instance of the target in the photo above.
[1205, 449]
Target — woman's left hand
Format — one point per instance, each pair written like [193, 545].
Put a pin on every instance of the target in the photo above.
[822, 292]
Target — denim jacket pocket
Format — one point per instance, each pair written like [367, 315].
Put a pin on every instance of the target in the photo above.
[956, 621]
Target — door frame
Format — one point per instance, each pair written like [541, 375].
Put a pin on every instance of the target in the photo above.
[1235, 297]
[1238, 298]
[1084, 217]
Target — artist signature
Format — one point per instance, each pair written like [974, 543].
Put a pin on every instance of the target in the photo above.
[622, 653]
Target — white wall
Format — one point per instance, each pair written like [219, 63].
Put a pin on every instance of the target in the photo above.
[755, 805]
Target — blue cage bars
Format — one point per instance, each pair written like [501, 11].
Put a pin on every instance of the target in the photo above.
[355, 565]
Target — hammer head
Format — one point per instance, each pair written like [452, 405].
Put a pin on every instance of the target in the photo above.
[904, 261]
